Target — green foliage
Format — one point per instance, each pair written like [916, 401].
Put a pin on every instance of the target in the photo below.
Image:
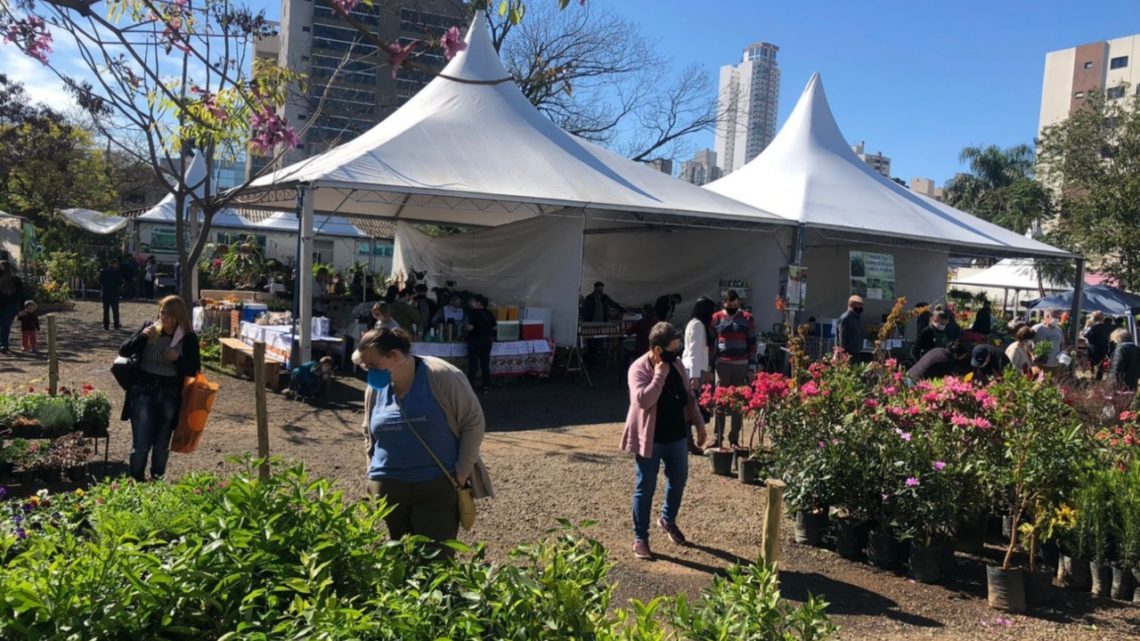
[746, 604]
[1000, 187]
[211, 350]
[1097, 530]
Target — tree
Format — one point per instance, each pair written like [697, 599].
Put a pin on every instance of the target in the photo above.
[1000, 187]
[1092, 161]
[595, 76]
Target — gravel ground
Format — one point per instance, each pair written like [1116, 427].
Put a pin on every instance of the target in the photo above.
[552, 451]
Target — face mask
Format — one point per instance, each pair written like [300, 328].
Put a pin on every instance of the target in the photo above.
[731, 311]
[378, 379]
[940, 328]
[669, 357]
[857, 310]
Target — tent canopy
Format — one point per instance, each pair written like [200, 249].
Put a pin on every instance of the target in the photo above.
[1094, 298]
[469, 149]
[93, 221]
[809, 174]
[1010, 273]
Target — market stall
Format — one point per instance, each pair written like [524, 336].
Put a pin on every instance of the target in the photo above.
[508, 358]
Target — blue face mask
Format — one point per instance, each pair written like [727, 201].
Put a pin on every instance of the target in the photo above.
[378, 379]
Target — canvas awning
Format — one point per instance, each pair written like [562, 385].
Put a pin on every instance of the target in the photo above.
[95, 222]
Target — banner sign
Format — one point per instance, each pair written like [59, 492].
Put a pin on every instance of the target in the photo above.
[873, 275]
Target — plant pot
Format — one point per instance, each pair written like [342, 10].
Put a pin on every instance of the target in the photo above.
[883, 551]
[51, 474]
[1122, 584]
[748, 471]
[810, 527]
[850, 538]
[926, 562]
[739, 454]
[1005, 589]
[971, 536]
[6, 468]
[1101, 578]
[1038, 587]
[77, 473]
[721, 461]
[1049, 553]
[1076, 573]
[1136, 584]
[947, 559]
[24, 477]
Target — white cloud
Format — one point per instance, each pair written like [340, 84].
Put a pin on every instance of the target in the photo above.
[40, 82]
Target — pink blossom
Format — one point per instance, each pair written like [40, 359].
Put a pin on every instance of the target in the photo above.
[453, 43]
[896, 412]
[912, 482]
[914, 410]
[270, 130]
[982, 423]
[940, 465]
[957, 420]
[398, 54]
[822, 445]
[891, 363]
[905, 436]
[890, 390]
[809, 388]
[930, 397]
[871, 403]
[31, 35]
[344, 6]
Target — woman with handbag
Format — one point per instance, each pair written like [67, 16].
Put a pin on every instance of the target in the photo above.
[424, 426]
[166, 352]
[661, 406]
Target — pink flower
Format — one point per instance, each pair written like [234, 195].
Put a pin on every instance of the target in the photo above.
[822, 445]
[890, 390]
[930, 397]
[809, 389]
[344, 7]
[398, 55]
[940, 465]
[891, 363]
[270, 130]
[957, 420]
[871, 403]
[905, 436]
[453, 43]
[982, 423]
[32, 36]
[912, 482]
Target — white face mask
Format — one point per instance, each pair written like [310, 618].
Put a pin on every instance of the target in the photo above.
[940, 328]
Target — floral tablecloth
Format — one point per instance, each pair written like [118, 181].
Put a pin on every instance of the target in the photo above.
[508, 358]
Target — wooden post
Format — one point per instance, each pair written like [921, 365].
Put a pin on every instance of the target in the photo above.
[53, 357]
[773, 517]
[262, 418]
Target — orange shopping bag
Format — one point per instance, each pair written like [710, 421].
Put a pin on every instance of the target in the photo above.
[197, 399]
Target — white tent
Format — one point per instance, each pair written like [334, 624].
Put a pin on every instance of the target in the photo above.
[1010, 273]
[810, 175]
[469, 149]
[93, 221]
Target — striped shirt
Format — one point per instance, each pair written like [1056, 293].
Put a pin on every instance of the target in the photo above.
[153, 359]
[735, 338]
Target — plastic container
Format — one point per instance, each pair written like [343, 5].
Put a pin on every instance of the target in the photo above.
[250, 311]
[532, 330]
[507, 331]
[512, 312]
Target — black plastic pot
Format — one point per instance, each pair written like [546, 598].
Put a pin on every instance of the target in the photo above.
[77, 473]
[748, 471]
[810, 527]
[1136, 584]
[971, 536]
[947, 555]
[1101, 578]
[1076, 573]
[6, 469]
[721, 462]
[739, 454]
[926, 562]
[1122, 584]
[850, 538]
[1038, 587]
[1048, 553]
[25, 477]
[883, 551]
[51, 474]
[1005, 589]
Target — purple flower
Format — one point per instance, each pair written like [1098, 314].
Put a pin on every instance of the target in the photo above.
[939, 465]
[912, 482]
[453, 43]
[21, 534]
[822, 445]
[905, 436]
[3, 491]
[398, 55]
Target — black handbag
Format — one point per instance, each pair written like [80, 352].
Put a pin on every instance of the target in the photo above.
[125, 370]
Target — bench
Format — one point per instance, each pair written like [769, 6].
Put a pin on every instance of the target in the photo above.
[235, 352]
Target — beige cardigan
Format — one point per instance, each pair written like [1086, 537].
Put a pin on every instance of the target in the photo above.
[450, 388]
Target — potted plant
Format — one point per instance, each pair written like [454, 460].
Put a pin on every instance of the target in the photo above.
[6, 464]
[71, 452]
[25, 456]
[724, 401]
[1044, 447]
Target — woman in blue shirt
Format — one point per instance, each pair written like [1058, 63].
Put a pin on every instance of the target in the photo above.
[434, 399]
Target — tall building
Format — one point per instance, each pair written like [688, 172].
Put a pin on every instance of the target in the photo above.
[663, 165]
[316, 41]
[747, 102]
[702, 169]
[1112, 66]
[925, 186]
[877, 161]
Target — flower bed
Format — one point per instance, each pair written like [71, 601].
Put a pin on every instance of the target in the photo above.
[43, 438]
[289, 558]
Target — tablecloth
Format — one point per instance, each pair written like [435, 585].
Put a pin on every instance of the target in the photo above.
[277, 338]
[508, 358]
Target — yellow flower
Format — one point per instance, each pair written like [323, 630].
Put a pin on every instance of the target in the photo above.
[80, 492]
[34, 500]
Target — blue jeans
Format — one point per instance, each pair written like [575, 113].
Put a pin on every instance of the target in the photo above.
[7, 315]
[675, 455]
[154, 412]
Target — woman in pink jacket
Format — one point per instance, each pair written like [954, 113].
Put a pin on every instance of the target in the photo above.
[661, 406]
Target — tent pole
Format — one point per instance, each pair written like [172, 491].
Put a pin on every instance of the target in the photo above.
[1075, 312]
[306, 277]
[294, 352]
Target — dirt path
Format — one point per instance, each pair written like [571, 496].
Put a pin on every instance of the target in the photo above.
[553, 454]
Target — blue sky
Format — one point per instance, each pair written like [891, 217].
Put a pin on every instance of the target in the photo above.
[916, 80]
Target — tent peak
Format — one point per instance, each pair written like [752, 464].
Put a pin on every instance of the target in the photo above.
[479, 62]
